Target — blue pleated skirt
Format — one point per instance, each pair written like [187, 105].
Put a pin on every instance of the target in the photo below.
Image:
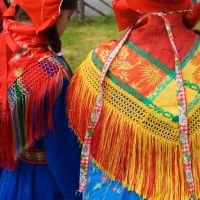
[29, 182]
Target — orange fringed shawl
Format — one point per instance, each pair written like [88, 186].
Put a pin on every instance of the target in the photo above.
[137, 138]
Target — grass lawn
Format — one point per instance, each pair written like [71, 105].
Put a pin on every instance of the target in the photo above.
[197, 27]
[80, 38]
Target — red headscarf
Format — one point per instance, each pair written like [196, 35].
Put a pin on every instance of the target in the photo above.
[127, 12]
[43, 14]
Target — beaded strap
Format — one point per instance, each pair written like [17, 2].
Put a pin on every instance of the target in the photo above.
[183, 112]
[34, 156]
[85, 154]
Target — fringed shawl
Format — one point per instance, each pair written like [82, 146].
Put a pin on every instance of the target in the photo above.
[29, 112]
[137, 140]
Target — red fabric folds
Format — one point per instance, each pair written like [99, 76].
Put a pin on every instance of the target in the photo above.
[8, 47]
[14, 37]
[43, 14]
[2, 6]
[192, 18]
[128, 12]
[31, 80]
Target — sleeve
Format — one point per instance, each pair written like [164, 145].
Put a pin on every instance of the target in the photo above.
[63, 151]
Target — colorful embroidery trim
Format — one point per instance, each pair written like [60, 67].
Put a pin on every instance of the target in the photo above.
[85, 154]
[28, 96]
[183, 113]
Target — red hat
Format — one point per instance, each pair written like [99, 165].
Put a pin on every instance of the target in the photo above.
[43, 13]
[127, 12]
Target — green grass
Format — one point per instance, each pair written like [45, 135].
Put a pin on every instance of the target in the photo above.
[197, 27]
[80, 38]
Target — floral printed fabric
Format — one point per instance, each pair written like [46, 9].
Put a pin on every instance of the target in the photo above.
[100, 187]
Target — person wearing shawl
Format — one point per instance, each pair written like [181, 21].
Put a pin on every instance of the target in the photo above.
[135, 105]
[38, 153]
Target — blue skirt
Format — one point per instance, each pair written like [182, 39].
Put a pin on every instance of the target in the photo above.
[53, 181]
[29, 182]
[101, 187]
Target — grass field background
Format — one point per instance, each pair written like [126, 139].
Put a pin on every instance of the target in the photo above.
[81, 37]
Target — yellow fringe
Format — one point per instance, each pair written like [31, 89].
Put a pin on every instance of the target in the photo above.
[149, 165]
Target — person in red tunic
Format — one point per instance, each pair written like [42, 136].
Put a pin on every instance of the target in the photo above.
[134, 104]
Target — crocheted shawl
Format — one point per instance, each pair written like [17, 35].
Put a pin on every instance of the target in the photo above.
[137, 138]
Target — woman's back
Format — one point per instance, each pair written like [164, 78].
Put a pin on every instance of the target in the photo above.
[135, 137]
[36, 142]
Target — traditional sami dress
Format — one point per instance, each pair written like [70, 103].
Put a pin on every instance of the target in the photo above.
[38, 152]
[135, 148]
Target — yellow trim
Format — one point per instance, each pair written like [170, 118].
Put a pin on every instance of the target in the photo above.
[91, 75]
